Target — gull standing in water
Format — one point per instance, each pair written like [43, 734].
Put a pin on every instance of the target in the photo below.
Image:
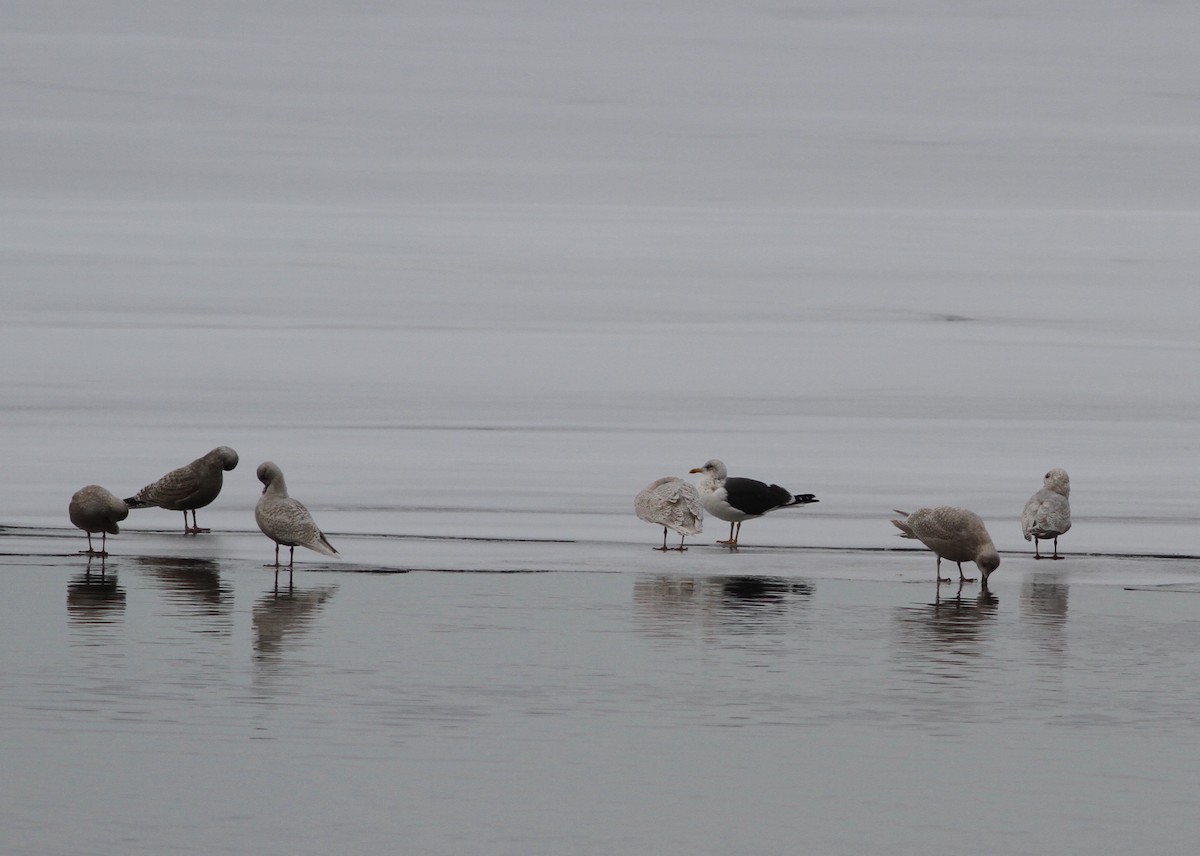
[285, 520]
[737, 499]
[96, 509]
[672, 504]
[955, 534]
[192, 486]
[1048, 512]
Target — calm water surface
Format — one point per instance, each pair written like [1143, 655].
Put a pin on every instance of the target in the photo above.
[178, 705]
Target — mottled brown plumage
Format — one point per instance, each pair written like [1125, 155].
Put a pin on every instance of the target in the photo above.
[96, 509]
[285, 520]
[192, 486]
[952, 533]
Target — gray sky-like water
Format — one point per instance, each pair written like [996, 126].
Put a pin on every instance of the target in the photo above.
[184, 705]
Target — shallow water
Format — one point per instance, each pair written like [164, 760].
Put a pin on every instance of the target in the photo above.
[618, 703]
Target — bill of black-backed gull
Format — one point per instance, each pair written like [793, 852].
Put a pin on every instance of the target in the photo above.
[672, 504]
[737, 499]
[1048, 512]
[954, 534]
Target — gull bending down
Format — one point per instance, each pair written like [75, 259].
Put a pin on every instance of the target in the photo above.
[191, 486]
[955, 534]
[672, 504]
[95, 509]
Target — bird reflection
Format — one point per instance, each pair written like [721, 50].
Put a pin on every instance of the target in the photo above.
[285, 614]
[673, 605]
[189, 582]
[95, 597]
[948, 632]
[1044, 606]
[940, 651]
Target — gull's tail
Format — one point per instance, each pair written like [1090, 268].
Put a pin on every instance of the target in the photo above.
[321, 545]
[902, 525]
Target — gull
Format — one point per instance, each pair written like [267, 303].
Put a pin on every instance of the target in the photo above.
[1048, 512]
[192, 486]
[738, 499]
[285, 520]
[95, 509]
[672, 504]
[955, 534]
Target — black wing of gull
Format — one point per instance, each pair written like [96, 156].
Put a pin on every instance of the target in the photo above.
[754, 497]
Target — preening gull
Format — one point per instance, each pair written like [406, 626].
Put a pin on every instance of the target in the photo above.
[285, 520]
[952, 533]
[192, 486]
[737, 499]
[672, 504]
[1048, 512]
[95, 509]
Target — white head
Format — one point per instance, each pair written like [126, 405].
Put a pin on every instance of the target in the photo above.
[1058, 481]
[714, 469]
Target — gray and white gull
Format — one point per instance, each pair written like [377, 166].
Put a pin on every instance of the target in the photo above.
[1048, 512]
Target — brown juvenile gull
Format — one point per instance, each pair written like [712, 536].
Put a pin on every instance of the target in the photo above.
[1048, 512]
[189, 487]
[95, 509]
[737, 499]
[672, 504]
[285, 520]
[955, 534]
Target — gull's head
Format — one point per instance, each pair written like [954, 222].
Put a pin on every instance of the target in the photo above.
[714, 469]
[227, 457]
[1058, 481]
[987, 561]
[269, 474]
